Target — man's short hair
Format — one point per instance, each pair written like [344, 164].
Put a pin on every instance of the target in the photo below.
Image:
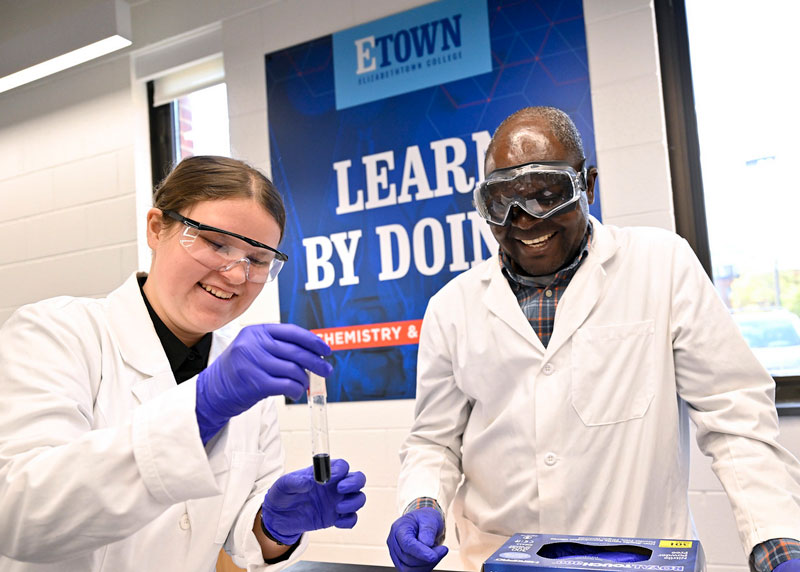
[560, 123]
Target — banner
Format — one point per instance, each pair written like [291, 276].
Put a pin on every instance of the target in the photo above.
[377, 137]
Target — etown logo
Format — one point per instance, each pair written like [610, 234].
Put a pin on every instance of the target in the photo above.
[418, 41]
[433, 44]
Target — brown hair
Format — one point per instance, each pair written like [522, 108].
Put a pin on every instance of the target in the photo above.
[212, 178]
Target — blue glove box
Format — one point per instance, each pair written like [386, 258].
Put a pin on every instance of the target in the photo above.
[560, 552]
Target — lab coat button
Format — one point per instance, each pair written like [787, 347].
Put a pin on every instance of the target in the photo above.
[184, 522]
[548, 368]
[550, 459]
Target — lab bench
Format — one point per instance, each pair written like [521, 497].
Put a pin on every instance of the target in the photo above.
[309, 566]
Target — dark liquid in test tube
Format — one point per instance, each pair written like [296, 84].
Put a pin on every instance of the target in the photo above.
[320, 453]
[322, 468]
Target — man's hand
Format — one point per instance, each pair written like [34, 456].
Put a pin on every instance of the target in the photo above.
[263, 360]
[296, 503]
[412, 540]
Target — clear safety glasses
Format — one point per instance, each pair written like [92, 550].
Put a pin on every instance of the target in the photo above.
[540, 189]
[221, 250]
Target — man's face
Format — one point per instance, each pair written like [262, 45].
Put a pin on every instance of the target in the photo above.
[537, 246]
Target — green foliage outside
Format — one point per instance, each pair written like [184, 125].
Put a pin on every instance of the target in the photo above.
[758, 291]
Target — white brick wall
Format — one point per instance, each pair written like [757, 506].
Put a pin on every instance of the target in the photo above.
[67, 193]
[630, 131]
[73, 154]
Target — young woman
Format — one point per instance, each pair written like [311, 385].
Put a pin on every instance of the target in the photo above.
[135, 430]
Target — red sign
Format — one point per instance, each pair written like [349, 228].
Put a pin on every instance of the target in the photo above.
[371, 335]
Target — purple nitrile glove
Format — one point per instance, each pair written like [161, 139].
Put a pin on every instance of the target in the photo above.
[788, 566]
[296, 503]
[412, 540]
[263, 360]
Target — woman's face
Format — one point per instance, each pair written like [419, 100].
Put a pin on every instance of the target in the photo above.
[188, 297]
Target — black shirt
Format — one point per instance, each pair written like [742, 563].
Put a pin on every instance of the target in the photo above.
[185, 362]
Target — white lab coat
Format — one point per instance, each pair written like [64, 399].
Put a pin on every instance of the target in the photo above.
[101, 462]
[588, 435]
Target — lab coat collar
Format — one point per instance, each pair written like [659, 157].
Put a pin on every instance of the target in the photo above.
[139, 346]
[585, 288]
[133, 330]
[501, 301]
[603, 245]
[582, 293]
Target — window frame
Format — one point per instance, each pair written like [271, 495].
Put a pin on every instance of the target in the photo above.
[684, 156]
[163, 121]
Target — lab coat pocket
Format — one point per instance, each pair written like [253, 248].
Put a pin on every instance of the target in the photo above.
[613, 373]
[241, 477]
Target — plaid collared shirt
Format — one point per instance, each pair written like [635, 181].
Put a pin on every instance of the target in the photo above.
[767, 555]
[538, 296]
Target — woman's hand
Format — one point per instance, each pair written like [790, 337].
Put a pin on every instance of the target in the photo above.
[263, 360]
[296, 503]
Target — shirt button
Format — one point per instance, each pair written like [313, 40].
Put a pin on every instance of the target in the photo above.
[548, 293]
[548, 368]
[184, 522]
[550, 459]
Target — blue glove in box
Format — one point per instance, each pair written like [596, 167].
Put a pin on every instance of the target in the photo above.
[560, 552]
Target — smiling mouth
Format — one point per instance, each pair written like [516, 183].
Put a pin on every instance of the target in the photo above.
[538, 242]
[216, 293]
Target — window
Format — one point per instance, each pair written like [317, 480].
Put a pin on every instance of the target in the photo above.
[203, 123]
[188, 115]
[729, 99]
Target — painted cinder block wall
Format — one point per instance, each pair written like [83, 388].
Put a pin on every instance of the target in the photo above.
[75, 182]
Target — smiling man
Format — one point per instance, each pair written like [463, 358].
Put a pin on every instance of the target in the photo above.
[556, 381]
[516, 185]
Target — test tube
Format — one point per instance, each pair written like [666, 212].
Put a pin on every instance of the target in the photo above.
[320, 454]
